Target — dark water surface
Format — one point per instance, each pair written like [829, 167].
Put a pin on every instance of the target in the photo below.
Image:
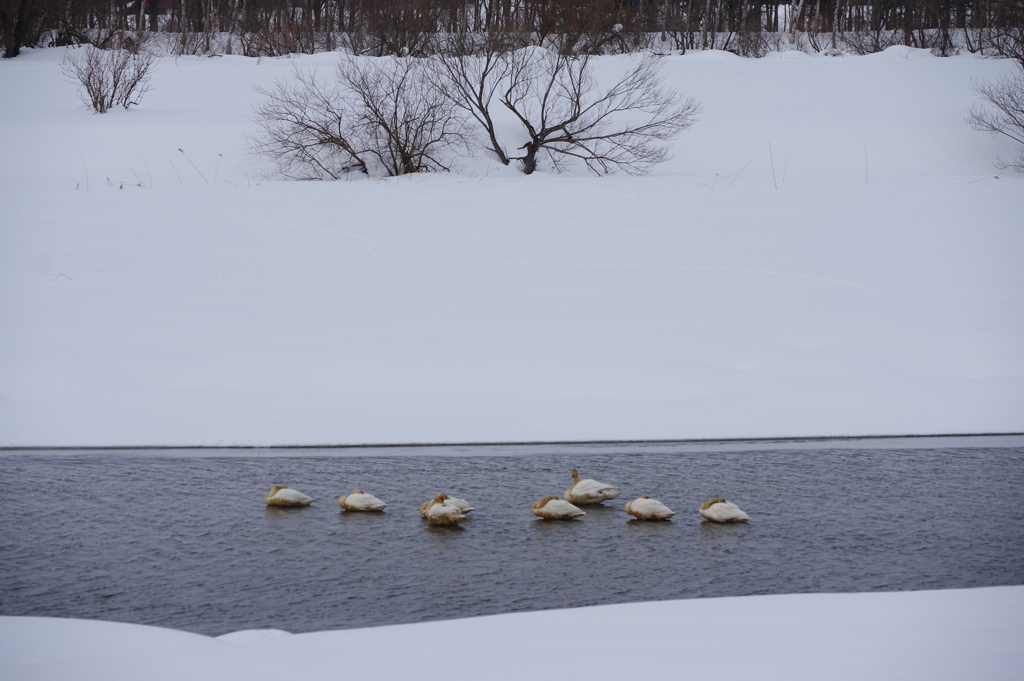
[183, 540]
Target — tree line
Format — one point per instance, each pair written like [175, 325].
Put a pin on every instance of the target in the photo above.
[576, 27]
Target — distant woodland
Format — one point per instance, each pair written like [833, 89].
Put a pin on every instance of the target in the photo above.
[422, 27]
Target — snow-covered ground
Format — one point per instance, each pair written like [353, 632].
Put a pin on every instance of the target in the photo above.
[926, 635]
[877, 290]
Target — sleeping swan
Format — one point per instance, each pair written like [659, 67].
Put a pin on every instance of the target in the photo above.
[721, 511]
[440, 512]
[589, 491]
[280, 495]
[646, 508]
[361, 501]
[460, 504]
[553, 508]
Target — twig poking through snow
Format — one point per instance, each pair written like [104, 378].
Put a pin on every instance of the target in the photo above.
[85, 169]
[772, 157]
[740, 173]
[194, 166]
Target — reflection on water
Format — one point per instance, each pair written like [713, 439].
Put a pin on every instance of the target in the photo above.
[647, 525]
[443, 530]
[879, 519]
[544, 527]
[282, 512]
[718, 537]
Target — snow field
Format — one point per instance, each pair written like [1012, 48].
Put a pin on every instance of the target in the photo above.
[878, 290]
[926, 635]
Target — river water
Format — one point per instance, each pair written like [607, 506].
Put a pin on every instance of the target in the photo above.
[182, 539]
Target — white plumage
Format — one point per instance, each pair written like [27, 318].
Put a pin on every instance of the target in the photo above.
[553, 508]
[281, 495]
[589, 491]
[359, 500]
[646, 508]
[454, 502]
[460, 504]
[722, 511]
[440, 512]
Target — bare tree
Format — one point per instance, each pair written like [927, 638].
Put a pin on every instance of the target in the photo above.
[565, 114]
[109, 77]
[408, 27]
[21, 22]
[379, 116]
[470, 74]
[1006, 94]
[401, 118]
[304, 127]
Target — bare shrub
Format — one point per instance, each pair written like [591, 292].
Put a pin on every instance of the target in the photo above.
[402, 28]
[304, 127]
[401, 118]
[109, 38]
[753, 43]
[379, 116]
[1006, 94]
[134, 41]
[277, 40]
[1006, 41]
[871, 40]
[109, 77]
[566, 115]
[574, 27]
[191, 43]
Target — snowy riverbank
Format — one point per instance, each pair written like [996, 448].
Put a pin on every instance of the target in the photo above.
[877, 290]
[926, 635]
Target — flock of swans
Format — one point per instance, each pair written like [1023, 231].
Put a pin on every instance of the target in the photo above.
[446, 510]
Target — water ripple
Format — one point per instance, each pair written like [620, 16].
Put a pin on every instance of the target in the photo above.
[187, 543]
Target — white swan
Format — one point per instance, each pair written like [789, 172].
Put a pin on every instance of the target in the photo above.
[280, 495]
[721, 511]
[460, 504]
[646, 508]
[589, 491]
[361, 501]
[439, 512]
[553, 508]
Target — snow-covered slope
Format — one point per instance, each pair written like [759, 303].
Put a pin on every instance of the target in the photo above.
[926, 635]
[877, 290]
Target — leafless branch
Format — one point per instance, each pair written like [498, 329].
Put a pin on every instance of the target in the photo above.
[109, 77]
[1006, 94]
[379, 116]
[565, 114]
[469, 74]
[303, 127]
